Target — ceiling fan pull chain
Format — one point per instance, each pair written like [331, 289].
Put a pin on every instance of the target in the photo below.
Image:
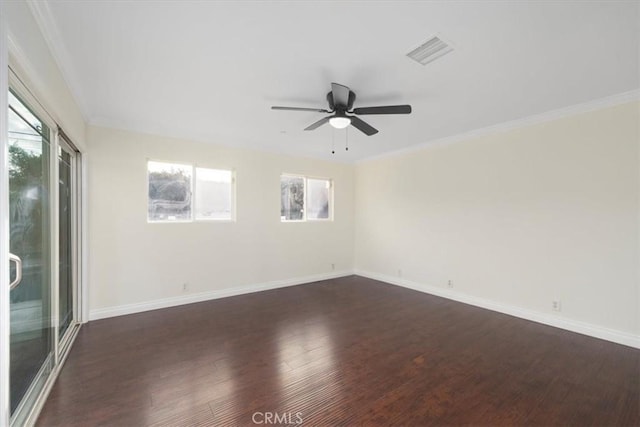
[346, 148]
[333, 141]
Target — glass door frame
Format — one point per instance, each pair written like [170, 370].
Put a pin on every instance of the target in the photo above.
[63, 343]
[4, 221]
[33, 401]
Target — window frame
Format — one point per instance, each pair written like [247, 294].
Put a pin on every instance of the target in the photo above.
[232, 216]
[164, 221]
[193, 219]
[330, 199]
[304, 201]
[305, 178]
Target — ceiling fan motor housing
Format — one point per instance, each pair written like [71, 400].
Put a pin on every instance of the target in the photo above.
[348, 107]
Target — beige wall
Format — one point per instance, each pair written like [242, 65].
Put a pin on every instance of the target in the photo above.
[132, 261]
[32, 60]
[542, 213]
[546, 212]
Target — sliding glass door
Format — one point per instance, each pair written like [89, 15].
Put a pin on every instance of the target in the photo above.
[32, 341]
[43, 246]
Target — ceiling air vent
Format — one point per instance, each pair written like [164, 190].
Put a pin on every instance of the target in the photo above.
[430, 50]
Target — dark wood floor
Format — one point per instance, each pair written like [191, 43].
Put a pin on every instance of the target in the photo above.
[349, 351]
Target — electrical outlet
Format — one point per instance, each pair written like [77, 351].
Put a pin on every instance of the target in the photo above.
[333, 266]
[185, 287]
[556, 305]
[399, 272]
[450, 283]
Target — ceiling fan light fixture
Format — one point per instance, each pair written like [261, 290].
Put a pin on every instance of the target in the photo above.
[340, 122]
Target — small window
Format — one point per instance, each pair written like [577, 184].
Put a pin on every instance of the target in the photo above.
[292, 198]
[303, 198]
[318, 197]
[169, 191]
[214, 194]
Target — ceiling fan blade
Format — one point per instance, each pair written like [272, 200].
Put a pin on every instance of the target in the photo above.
[317, 110]
[318, 123]
[340, 94]
[388, 109]
[363, 126]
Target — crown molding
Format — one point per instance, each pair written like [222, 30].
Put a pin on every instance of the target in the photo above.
[211, 140]
[43, 16]
[572, 110]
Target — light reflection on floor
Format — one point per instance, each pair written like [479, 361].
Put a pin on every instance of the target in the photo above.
[309, 367]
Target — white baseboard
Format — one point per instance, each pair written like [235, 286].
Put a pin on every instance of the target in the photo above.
[584, 328]
[121, 310]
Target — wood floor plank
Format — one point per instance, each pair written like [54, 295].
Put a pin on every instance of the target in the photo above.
[349, 351]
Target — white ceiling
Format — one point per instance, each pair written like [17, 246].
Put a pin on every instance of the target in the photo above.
[211, 70]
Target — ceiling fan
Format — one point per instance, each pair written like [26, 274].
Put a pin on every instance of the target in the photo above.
[341, 100]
